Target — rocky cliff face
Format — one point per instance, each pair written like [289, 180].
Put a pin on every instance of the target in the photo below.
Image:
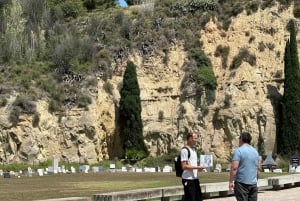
[247, 97]
[246, 100]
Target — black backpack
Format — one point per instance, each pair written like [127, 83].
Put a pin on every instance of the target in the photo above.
[177, 163]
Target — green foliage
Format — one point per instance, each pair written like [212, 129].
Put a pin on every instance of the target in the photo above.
[252, 7]
[131, 2]
[89, 4]
[261, 146]
[161, 160]
[134, 155]
[201, 59]
[270, 46]
[71, 8]
[223, 52]
[36, 119]
[267, 3]
[296, 11]
[21, 105]
[227, 100]
[4, 3]
[54, 106]
[202, 5]
[251, 39]
[25, 105]
[34, 11]
[125, 28]
[84, 101]
[14, 116]
[71, 52]
[226, 24]
[243, 55]
[161, 116]
[261, 46]
[289, 137]
[204, 75]
[14, 167]
[108, 87]
[130, 122]
[3, 101]
[237, 8]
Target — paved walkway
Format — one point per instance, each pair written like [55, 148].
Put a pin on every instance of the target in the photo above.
[290, 194]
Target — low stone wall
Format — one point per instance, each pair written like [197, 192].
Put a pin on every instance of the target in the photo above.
[165, 193]
[69, 199]
[209, 190]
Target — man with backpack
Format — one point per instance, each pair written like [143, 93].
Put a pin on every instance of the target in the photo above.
[190, 166]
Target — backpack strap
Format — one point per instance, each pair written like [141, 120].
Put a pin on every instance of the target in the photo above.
[189, 154]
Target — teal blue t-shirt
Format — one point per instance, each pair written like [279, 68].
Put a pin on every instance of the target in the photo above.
[248, 162]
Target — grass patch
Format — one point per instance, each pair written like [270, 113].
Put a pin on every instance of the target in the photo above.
[85, 185]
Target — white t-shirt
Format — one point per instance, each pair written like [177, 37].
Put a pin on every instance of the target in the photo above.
[189, 174]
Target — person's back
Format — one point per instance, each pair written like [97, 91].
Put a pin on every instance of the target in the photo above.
[248, 162]
[244, 170]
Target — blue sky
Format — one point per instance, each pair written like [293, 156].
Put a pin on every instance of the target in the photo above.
[123, 3]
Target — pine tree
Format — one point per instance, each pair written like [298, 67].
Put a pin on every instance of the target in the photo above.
[130, 121]
[288, 139]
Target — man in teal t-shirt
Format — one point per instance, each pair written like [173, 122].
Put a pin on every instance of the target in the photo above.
[244, 170]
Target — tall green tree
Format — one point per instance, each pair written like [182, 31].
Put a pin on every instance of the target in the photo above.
[289, 137]
[130, 121]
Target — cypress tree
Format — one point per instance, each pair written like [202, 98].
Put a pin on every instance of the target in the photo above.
[130, 121]
[288, 139]
[282, 139]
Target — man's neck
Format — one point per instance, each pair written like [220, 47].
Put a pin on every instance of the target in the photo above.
[244, 144]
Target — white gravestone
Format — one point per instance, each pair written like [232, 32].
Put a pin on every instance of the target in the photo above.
[55, 165]
[40, 172]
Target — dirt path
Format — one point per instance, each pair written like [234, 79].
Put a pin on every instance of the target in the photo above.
[290, 194]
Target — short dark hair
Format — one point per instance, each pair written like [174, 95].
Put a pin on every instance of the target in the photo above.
[246, 137]
[189, 135]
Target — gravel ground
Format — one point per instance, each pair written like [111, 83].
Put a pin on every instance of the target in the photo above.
[290, 194]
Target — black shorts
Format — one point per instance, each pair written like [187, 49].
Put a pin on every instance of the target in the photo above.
[192, 190]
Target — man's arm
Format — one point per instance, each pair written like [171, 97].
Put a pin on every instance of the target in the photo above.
[258, 168]
[186, 166]
[233, 171]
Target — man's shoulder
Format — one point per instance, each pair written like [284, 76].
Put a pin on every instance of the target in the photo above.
[248, 149]
[185, 149]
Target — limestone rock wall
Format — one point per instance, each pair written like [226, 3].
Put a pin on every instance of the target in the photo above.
[247, 97]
